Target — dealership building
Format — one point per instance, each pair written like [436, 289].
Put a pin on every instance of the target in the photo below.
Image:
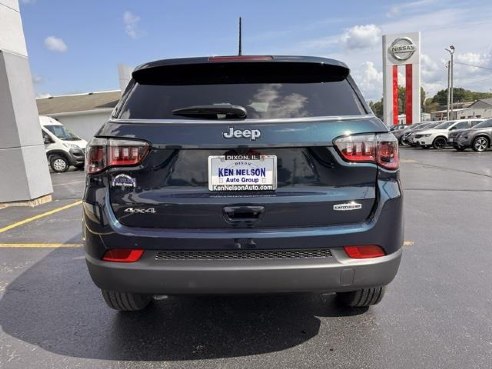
[478, 109]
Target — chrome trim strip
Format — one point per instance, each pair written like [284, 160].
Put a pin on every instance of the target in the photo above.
[246, 121]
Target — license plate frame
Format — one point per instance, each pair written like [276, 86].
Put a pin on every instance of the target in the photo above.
[233, 173]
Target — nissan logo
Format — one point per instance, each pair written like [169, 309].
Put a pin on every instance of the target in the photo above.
[402, 48]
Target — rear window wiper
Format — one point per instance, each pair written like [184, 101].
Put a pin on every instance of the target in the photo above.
[216, 111]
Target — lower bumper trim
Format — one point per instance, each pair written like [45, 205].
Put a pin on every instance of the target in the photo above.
[334, 274]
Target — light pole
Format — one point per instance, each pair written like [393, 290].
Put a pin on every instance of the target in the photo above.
[450, 81]
[448, 68]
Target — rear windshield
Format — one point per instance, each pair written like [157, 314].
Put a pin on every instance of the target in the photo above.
[261, 100]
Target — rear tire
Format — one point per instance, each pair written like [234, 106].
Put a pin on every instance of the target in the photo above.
[361, 298]
[126, 301]
[480, 144]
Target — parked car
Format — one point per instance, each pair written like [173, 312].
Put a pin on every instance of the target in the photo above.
[479, 137]
[397, 127]
[437, 137]
[409, 137]
[240, 175]
[63, 148]
[400, 133]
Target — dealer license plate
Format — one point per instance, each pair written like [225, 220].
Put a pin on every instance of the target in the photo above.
[242, 173]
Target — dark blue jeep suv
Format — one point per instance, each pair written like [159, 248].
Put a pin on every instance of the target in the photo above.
[242, 175]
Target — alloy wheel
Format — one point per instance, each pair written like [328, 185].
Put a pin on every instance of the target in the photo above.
[480, 144]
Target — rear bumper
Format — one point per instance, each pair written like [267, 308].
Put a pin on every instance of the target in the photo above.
[102, 231]
[330, 274]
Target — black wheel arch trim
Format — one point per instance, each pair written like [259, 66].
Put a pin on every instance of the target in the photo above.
[62, 153]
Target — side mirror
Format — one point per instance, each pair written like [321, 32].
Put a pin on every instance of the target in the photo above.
[46, 140]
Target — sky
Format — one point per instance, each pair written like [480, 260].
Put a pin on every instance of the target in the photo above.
[76, 46]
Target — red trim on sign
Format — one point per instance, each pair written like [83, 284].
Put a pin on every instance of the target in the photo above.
[395, 95]
[408, 93]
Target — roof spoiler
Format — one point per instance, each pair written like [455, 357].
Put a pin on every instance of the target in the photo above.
[222, 71]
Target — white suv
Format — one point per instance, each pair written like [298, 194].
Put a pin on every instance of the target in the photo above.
[437, 137]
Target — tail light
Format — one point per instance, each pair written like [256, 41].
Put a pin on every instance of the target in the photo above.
[102, 153]
[381, 149]
[364, 252]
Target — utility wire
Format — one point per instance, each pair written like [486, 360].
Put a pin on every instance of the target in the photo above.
[471, 65]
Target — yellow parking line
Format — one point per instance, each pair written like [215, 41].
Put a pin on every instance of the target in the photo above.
[39, 216]
[39, 245]
[67, 183]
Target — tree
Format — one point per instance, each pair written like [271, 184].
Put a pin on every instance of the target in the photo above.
[459, 95]
[430, 106]
[441, 97]
[402, 93]
[377, 108]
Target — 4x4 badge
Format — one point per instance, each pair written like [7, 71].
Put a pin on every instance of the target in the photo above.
[140, 211]
[347, 206]
[253, 134]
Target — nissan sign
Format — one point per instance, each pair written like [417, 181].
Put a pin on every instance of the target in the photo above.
[402, 48]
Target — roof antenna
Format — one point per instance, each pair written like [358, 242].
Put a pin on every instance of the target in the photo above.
[240, 37]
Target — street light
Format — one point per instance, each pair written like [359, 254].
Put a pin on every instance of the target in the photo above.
[450, 80]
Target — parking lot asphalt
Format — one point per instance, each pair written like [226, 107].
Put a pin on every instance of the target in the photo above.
[436, 314]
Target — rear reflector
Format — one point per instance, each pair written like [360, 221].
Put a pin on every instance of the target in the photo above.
[381, 149]
[239, 58]
[364, 252]
[123, 255]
